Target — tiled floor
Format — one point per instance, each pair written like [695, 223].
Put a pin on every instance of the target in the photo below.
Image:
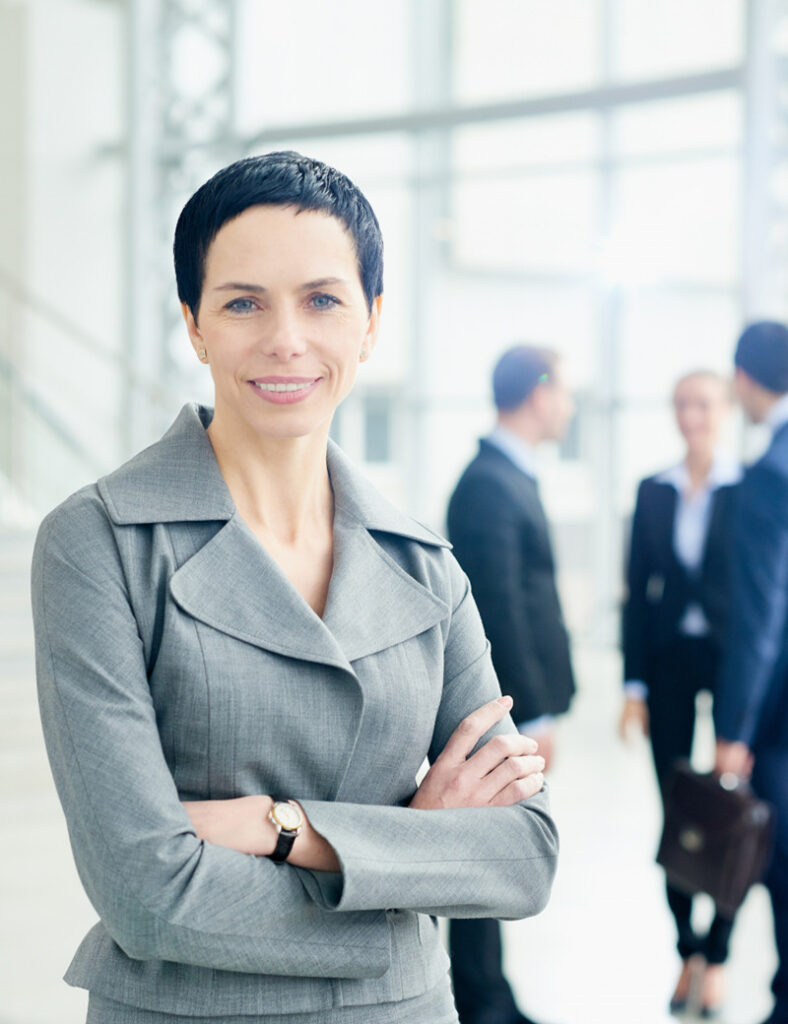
[603, 951]
[600, 954]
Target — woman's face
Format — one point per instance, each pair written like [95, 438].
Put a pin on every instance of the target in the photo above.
[700, 404]
[283, 320]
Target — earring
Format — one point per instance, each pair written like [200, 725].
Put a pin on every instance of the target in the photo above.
[363, 354]
[202, 355]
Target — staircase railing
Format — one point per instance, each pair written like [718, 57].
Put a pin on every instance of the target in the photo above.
[24, 397]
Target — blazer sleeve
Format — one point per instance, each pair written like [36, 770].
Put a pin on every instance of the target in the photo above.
[758, 616]
[486, 528]
[160, 891]
[469, 862]
[635, 612]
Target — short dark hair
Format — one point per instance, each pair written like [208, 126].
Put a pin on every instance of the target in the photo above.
[283, 178]
[517, 373]
[762, 352]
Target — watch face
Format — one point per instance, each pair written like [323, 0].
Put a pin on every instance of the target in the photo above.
[287, 816]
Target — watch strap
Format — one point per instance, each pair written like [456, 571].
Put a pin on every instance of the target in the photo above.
[284, 844]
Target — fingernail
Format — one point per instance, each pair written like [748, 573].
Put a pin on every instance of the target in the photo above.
[505, 700]
[541, 761]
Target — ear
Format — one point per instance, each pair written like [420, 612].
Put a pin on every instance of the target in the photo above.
[372, 331]
[195, 335]
[741, 382]
[539, 399]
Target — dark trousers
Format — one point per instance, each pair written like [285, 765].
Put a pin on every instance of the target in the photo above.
[481, 992]
[679, 674]
[770, 781]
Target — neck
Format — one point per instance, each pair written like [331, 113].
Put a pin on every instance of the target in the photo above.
[279, 485]
[523, 426]
[769, 402]
[699, 463]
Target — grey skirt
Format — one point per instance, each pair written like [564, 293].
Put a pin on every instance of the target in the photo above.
[433, 1007]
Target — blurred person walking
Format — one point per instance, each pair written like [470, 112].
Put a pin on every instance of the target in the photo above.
[675, 617]
[752, 707]
[501, 539]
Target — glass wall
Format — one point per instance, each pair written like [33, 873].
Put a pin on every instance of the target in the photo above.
[577, 182]
[573, 174]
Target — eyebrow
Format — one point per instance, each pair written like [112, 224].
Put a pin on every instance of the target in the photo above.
[241, 286]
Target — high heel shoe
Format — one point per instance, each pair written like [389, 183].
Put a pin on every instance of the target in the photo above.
[712, 992]
[689, 978]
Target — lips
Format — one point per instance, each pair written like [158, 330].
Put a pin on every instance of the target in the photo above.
[284, 390]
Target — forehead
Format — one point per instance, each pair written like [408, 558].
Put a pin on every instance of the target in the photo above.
[700, 388]
[282, 238]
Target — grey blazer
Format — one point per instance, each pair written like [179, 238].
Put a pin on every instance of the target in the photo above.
[176, 662]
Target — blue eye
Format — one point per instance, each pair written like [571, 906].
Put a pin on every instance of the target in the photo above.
[241, 306]
[323, 301]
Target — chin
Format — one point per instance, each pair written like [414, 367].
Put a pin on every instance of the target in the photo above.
[292, 426]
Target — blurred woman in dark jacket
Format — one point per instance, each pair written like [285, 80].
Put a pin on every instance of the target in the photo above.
[674, 620]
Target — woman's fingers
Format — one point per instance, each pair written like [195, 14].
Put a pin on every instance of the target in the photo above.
[472, 728]
[510, 772]
[519, 790]
[498, 749]
[503, 771]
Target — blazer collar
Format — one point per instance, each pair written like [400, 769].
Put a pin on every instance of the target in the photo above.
[178, 479]
[233, 585]
[724, 472]
[518, 451]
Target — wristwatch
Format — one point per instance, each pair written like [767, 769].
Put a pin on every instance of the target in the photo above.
[288, 822]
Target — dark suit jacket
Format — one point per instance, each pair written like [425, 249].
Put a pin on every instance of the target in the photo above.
[752, 703]
[501, 539]
[660, 588]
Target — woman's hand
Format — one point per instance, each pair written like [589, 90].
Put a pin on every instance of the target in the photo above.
[502, 772]
[733, 759]
[243, 824]
[634, 718]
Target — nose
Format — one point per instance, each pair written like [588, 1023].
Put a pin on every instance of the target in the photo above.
[283, 338]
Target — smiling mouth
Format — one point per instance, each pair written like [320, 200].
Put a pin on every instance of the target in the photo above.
[285, 390]
[278, 384]
[299, 386]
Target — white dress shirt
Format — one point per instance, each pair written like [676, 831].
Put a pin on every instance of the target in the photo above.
[778, 414]
[518, 451]
[690, 527]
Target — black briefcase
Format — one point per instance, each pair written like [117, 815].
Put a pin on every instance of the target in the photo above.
[717, 837]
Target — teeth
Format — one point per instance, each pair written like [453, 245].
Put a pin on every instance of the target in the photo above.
[283, 387]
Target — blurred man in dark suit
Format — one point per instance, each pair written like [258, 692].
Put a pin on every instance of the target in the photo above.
[501, 538]
[751, 709]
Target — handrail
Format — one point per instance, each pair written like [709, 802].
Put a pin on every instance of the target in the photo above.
[46, 414]
[158, 395]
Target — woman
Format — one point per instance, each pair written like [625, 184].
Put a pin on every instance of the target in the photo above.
[244, 655]
[674, 621]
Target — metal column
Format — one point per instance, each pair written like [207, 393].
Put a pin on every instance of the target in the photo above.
[765, 198]
[181, 114]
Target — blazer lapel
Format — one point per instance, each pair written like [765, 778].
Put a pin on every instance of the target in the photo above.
[232, 584]
[372, 602]
[667, 498]
[718, 499]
